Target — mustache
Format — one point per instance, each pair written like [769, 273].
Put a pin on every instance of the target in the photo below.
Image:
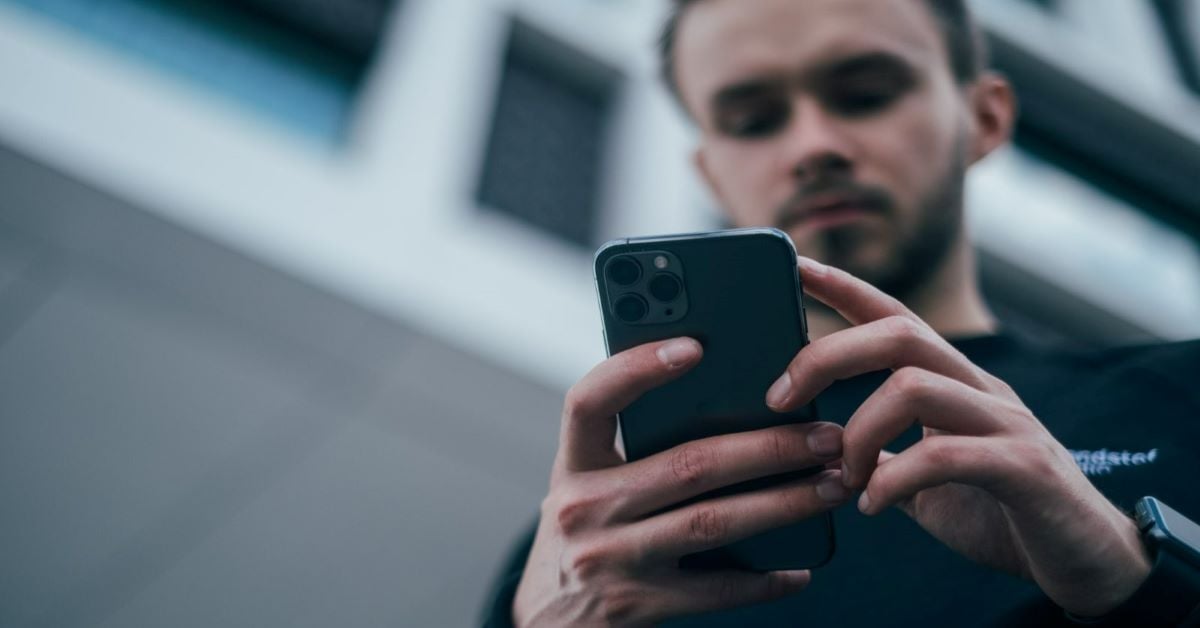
[801, 203]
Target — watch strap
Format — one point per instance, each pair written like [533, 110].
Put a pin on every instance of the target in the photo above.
[1170, 596]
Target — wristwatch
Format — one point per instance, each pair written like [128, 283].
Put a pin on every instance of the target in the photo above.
[1170, 595]
[1174, 542]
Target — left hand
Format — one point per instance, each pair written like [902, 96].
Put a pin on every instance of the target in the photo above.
[987, 478]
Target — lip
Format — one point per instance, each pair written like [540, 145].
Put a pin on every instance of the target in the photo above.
[823, 212]
[833, 217]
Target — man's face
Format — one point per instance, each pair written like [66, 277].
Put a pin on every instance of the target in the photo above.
[838, 121]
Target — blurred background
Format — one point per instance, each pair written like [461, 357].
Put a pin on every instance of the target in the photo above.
[290, 291]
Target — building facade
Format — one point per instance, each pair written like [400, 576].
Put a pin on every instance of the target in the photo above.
[289, 292]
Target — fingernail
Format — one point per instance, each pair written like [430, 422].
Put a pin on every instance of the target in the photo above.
[779, 391]
[830, 489]
[677, 352]
[825, 440]
[845, 474]
[864, 502]
[812, 265]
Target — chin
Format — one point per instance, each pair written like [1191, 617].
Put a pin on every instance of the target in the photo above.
[859, 250]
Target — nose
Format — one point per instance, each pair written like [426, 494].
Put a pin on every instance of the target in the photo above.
[817, 145]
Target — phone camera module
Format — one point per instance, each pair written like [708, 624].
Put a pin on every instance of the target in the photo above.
[631, 308]
[665, 287]
[624, 271]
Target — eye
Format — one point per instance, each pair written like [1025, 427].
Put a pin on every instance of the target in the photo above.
[756, 118]
[859, 102]
[862, 96]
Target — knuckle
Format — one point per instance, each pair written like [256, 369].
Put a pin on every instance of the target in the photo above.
[854, 438]
[796, 368]
[1019, 418]
[639, 365]
[943, 454]
[904, 329]
[1039, 457]
[1000, 386]
[588, 562]
[691, 464]
[707, 525]
[726, 591]
[782, 447]
[913, 383]
[798, 503]
[881, 485]
[572, 513]
[620, 604]
[814, 356]
[576, 402]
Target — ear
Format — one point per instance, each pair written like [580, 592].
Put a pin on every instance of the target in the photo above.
[993, 110]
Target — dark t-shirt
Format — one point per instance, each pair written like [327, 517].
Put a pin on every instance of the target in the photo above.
[1130, 416]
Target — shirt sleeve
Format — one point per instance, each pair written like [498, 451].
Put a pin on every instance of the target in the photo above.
[497, 613]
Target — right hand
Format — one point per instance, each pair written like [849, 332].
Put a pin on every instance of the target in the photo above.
[606, 550]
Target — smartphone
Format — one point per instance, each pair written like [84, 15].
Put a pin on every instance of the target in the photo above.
[738, 293]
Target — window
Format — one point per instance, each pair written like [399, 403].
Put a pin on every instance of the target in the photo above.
[298, 62]
[545, 154]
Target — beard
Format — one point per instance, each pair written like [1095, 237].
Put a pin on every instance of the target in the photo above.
[892, 254]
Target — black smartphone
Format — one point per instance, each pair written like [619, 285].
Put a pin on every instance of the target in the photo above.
[738, 293]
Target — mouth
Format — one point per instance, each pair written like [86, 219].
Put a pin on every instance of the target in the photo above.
[827, 212]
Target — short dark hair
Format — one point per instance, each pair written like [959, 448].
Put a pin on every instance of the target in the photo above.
[964, 41]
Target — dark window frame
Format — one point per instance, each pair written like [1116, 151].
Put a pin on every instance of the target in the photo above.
[544, 62]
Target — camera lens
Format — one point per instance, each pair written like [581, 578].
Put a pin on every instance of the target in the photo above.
[631, 308]
[623, 271]
[665, 287]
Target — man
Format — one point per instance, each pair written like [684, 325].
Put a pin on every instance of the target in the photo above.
[850, 124]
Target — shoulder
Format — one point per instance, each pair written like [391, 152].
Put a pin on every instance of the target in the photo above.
[1164, 353]
[1170, 367]
[1131, 420]
[1121, 378]
[1155, 382]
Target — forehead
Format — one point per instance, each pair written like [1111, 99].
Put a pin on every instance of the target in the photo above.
[720, 42]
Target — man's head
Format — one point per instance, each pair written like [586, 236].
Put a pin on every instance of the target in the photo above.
[847, 123]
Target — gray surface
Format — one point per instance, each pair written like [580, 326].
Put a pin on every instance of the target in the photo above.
[189, 438]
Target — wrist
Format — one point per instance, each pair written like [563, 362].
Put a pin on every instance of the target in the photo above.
[1128, 572]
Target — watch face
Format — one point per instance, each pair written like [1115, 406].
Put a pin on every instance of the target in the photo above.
[1183, 529]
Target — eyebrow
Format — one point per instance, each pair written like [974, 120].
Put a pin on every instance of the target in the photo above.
[875, 61]
[747, 89]
[869, 62]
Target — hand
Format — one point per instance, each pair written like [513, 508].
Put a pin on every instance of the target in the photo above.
[987, 478]
[606, 550]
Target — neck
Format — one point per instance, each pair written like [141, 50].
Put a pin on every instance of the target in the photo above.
[950, 301]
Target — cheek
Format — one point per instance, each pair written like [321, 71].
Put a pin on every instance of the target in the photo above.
[746, 180]
[918, 146]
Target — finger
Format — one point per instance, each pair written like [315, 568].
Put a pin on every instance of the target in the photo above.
[717, 522]
[856, 300]
[699, 466]
[888, 343]
[934, 461]
[706, 591]
[589, 412]
[909, 396]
